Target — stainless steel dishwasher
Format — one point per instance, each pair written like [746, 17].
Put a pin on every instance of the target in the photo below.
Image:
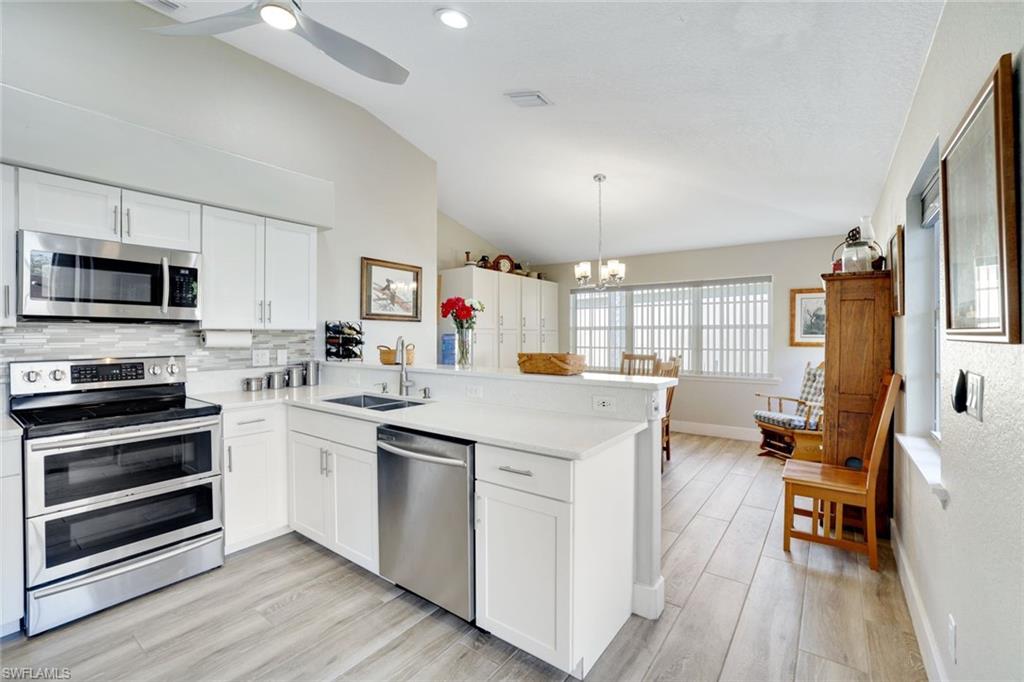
[425, 500]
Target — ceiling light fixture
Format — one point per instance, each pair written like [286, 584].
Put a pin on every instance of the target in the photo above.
[613, 272]
[452, 18]
[279, 17]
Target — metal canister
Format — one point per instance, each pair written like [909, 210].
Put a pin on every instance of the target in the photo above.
[295, 375]
[276, 380]
[252, 384]
[312, 368]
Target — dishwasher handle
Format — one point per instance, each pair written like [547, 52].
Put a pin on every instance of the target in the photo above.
[409, 454]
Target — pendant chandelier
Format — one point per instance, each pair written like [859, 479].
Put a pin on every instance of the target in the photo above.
[613, 272]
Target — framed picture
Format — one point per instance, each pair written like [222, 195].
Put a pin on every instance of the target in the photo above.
[979, 218]
[807, 317]
[389, 291]
[896, 262]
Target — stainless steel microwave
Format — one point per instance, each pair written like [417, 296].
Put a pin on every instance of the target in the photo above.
[73, 277]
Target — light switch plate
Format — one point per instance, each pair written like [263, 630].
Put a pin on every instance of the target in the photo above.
[260, 358]
[975, 394]
[282, 357]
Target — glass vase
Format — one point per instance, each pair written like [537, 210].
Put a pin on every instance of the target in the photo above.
[463, 349]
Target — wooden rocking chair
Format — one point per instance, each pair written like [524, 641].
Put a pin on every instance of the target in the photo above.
[794, 434]
[831, 488]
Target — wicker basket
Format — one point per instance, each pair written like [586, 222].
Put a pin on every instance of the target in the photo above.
[564, 364]
[389, 356]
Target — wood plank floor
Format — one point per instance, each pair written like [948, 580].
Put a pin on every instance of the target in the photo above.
[739, 608]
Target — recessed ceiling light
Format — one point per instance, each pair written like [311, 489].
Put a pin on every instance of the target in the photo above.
[279, 17]
[452, 18]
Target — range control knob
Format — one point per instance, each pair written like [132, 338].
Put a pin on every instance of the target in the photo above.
[57, 375]
[172, 369]
[31, 376]
[155, 370]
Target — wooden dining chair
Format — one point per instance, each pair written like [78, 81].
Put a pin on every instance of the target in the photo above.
[831, 488]
[638, 364]
[669, 368]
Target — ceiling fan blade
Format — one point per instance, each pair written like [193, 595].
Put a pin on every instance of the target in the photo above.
[221, 23]
[351, 53]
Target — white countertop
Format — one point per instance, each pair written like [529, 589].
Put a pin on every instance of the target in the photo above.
[647, 383]
[8, 427]
[567, 436]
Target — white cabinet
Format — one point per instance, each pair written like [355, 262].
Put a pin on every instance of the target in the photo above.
[353, 474]
[258, 273]
[54, 203]
[499, 327]
[508, 348]
[530, 341]
[531, 294]
[309, 488]
[152, 220]
[509, 302]
[522, 571]
[8, 247]
[548, 305]
[12, 523]
[548, 342]
[485, 348]
[232, 287]
[290, 267]
[255, 476]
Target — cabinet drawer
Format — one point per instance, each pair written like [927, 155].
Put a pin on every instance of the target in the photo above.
[249, 421]
[548, 476]
[355, 433]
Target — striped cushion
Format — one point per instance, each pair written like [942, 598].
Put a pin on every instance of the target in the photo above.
[786, 421]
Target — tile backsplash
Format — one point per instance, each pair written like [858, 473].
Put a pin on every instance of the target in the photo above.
[60, 340]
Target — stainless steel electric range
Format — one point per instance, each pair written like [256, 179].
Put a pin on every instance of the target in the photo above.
[122, 482]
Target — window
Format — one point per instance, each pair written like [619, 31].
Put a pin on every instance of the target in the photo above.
[716, 327]
[931, 219]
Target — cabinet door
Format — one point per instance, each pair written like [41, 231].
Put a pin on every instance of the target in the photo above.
[290, 275]
[508, 349]
[53, 203]
[522, 571]
[509, 302]
[548, 305]
[247, 488]
[548, 342]
[530, 341]
[309, 493]
[531, 302]
[8, 247]
[353, 476]
[485, 348]
[151, 220]
[12, 567]
[485, 290]
[232, 288]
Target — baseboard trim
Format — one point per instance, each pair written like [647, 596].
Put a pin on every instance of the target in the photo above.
[257, 539]
[930, 650]
[649, 600]
[716, 430]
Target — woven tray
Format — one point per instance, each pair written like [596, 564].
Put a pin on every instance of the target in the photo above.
[564, 364]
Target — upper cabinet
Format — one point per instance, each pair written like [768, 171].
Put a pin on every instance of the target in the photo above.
[8, 247]
[60, 205]
[257, 273]
[509, 302]
[290, 275]
[531, 303]
[151, 220]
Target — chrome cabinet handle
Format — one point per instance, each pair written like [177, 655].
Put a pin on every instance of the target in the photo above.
[524, 338]
[231, 461]
[513, 470]
[524, 320]
[261, 309]
[327, 462]
[7, 300]
[501, 320]
[128, 220]
[322, 467]
[117, 213]
[252, 421]
[270, 312]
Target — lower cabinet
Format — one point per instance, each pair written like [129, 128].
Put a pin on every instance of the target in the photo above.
[353, 520]
[485, 348]
[12, 567]
[548, 342]
[531, 342]
[309, 491]
[255, 474]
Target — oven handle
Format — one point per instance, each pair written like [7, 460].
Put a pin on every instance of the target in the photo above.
[125, 567]
[125, 437]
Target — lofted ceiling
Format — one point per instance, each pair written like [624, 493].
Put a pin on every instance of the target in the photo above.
[716, 123]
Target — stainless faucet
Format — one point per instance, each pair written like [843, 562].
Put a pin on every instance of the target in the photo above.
[404, 384]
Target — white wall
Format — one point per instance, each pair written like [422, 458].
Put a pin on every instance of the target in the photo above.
[725, 406]
[95, 56]
[966, 560]
[454, 239]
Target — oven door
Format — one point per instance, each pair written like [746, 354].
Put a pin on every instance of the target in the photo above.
[84, 538]
[69, 471]
[65, 276]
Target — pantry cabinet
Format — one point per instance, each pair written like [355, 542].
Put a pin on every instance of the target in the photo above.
[531, 306]
[485, 347]
[152, 220]
[530, 341]
[548, 306]
[508, 348]
[509, 302]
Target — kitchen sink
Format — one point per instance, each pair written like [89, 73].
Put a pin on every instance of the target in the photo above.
[380, 403]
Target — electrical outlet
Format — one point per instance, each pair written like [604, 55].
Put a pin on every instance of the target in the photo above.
[975, 390]
[952, 639]
[260, 358]
[476, 392]
[602, 403]
[282, 357]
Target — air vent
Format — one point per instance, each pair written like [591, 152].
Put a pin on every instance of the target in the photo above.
[164, 5]
[528, 98]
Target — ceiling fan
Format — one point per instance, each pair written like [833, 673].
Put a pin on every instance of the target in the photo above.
[287, 15]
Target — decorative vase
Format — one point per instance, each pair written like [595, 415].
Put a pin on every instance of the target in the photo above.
[464, 348]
